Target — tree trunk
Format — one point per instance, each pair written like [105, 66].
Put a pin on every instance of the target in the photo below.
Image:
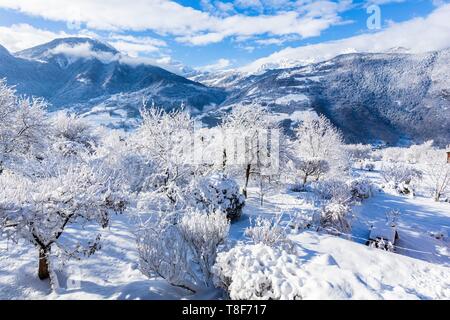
[247, 178]
[43, 271]
[261, 192]
[224, 162]
[437, 197]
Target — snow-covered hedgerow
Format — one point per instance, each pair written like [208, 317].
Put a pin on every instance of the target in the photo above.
[258, 272]
[217, 193]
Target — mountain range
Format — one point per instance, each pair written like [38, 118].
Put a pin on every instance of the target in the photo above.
[92, 78]
[394, 97]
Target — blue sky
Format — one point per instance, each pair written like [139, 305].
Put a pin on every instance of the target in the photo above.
[211, 34]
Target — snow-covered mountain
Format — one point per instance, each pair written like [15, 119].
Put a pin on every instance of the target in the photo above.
[92, 77]
[393, 97]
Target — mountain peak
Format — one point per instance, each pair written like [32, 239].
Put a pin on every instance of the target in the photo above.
[4, 51]
[65, 45]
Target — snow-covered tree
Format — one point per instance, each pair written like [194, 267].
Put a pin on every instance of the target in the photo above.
[23, 126]
[319, 148]
[437, 172]
[312, 168]
[41, 209]
[248, 126]
[163, 141]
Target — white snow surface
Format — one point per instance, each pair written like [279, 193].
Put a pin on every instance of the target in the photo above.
[330, 267]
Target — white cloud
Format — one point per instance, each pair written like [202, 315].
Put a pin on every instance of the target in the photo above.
[219, 65]
[382, 2]
[84, 51]
[307, 19]
[135, 46]
[418, 35]
[23, 36]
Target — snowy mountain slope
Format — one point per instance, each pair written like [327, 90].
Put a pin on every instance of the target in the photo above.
[392, 97]
[81, 73]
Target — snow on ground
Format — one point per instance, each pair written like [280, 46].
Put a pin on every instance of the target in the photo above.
[332, 267]
[287, 99]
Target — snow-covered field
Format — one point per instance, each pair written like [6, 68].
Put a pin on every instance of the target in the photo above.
[331, 267]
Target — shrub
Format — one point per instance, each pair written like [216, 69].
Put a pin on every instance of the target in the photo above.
[203, 234]
[176, 249]
[367, 165]
[269, 232]
[399, 177]
[335, 218]
[218, 193]
[360, 188]
[333, 190]
[258, 272]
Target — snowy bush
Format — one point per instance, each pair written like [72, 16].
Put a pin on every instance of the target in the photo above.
[175, 249]
[164, 253]
[269, 232]
[334, 190]
[393, 155]
[303, 219]
[360, 188]
[399, 177]
[73, 134]
[382, 244]
[367, 165]
[203, 234]
[358, 152]
[258, 272]
[217, 193]
[335, 218]
[392, 217]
